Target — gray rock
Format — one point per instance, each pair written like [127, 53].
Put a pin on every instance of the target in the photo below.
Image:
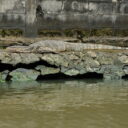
[125, 70]
[112, 77]
[47, 70]
[22, 74]
[123, 59]
[55, 59]
[112, 72]
[17, 49]
[16, 58]
[105, 59]
[29, 58]
[72, 72]
[3, 75]
[69, 58]
[12, 58]
[92, 54]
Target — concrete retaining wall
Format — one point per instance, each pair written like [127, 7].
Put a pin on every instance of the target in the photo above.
[32, 15]
[12, 13]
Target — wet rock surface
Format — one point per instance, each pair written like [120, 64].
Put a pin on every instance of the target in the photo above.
[22, 74]
[47, 70]
[52, 57]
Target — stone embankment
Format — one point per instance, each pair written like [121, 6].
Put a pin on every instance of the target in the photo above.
[49, 58]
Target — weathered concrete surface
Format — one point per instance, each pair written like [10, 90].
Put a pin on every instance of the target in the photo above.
[63, 14]
[23, 65]
[66, 14]
[12, 13]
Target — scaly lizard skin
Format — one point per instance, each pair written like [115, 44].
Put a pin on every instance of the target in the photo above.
[53, 46]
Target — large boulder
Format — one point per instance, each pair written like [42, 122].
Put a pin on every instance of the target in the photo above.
[70, 59]
[106, 58]
[125, 68]
[112, 72]
[55, 59]
[16, 58]
[22, 74]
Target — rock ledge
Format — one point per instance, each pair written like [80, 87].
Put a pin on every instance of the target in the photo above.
[23, 63]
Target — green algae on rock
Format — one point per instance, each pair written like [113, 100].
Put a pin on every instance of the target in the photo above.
[22, 74]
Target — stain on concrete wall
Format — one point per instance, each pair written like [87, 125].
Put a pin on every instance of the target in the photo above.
[63, 14]
[12, 13]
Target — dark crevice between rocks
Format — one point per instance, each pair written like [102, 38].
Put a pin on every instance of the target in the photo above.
[10, 67]
[8, 78]
[4, 67]
[63, 76]
[33, 65]
[90, 75]
[51, 77]
[125, 77]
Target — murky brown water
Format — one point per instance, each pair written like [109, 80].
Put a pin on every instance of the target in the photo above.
[64, 104]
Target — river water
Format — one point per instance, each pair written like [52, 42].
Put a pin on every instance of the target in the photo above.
[64, 104]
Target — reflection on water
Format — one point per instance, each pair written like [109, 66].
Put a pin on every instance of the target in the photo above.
[64, 104]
